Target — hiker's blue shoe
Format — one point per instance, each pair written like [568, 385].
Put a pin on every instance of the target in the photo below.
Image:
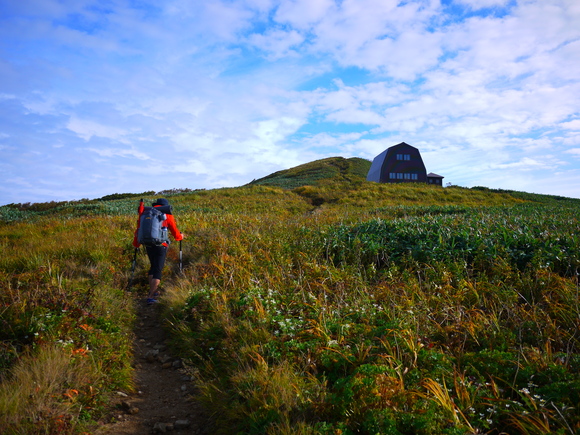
[151, 301]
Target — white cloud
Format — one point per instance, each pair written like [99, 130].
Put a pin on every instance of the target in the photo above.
[86, 129]
[277, 42]
[571, 125]
[526, 164]
[216, 19]
[574, 151]
[275, 130]
[302, 14]
[117, 152]
[358, 31]
[193, 166]
[480, 4]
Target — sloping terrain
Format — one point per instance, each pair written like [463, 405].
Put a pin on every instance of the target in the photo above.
[335, 168]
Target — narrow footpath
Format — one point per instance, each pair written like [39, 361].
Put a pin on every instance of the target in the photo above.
[164, 398]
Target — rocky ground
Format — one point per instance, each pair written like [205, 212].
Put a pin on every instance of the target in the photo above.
[164, 401]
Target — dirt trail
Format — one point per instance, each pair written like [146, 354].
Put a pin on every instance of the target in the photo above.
[164, 399]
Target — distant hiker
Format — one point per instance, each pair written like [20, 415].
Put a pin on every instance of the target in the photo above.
[151, 231]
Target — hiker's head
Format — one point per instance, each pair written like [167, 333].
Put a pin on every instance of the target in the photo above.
[161, 201]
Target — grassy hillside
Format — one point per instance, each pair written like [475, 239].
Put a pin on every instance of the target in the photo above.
[335, 168]
[319, 305]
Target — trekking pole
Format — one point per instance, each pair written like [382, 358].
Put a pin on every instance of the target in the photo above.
[133, 269]
[180, 258]
[139, 211]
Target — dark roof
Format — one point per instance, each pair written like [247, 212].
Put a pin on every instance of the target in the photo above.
[432, 175]
[402, 143]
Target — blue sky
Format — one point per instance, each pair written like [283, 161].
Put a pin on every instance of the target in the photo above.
[100, 97]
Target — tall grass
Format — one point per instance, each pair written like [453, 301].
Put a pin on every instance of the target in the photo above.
[339, 307]
[456, 319]
[46, 392]
[65, 319]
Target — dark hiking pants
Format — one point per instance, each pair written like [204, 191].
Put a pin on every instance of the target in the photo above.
[156, 256]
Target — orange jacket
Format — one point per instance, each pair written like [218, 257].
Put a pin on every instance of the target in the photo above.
[169, 223]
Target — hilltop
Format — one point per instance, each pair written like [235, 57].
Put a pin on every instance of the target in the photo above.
[335, 168]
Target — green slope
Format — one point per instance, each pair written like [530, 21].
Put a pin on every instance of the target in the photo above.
[336, 168]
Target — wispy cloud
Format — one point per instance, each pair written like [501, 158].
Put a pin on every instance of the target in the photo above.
[211, 94]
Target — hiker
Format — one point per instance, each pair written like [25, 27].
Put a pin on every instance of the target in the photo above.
[157, 252]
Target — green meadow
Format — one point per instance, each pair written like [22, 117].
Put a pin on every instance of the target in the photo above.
[310, 302]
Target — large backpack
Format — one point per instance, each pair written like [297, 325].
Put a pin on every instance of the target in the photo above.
[151, 230]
